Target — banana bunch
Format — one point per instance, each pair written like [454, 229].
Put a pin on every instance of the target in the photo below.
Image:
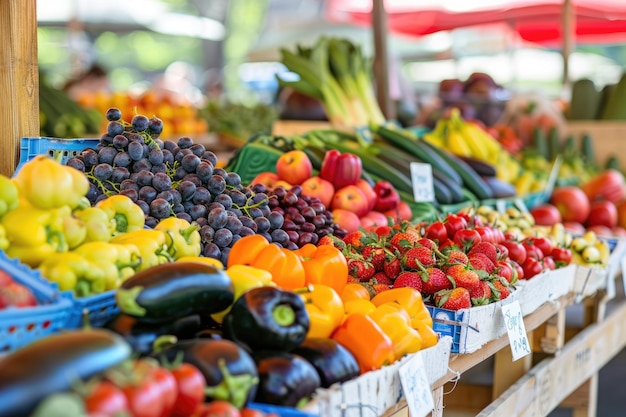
[588, 250]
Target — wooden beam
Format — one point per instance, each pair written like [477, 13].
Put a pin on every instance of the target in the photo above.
[381, 65]
[19, 79]
[568, 38]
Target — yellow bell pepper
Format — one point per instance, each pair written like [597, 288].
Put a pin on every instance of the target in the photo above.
[4, 242]
[203, 260]
[74, 230]
[151, 245]
[8, 195]
[47, 184]
[182, 237]
[107, 257]
[396, 323]
[127, 215]
[325, 310]
[34, 234]
[324, 265]
[68, 269]
[411, 300]
[244, 277]
[98, 224]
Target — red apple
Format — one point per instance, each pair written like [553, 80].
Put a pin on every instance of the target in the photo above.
[346, 219]
[401, 212]
[351, 198]
[546, 215]
[294, 167]
[602, 213]
[266, 178]
[374, 218]
[572, 203]
[369, 192]
[320, 188]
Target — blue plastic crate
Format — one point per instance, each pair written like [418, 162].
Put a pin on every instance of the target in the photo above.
[447, 329]
[280, 410]
[21, 326]
[98, 308]
[63, 149]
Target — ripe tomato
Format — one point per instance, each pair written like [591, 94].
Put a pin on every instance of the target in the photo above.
[562, 256]
[546, 215]
[505, 270]
[531, 267]
[486, 234]
[544, 244]
[166, 382]
[518, 271]
[144, 396]
[106, 399]
[5, 279]
[217, 408]
[16, 295]
[532, 251]
[251, 412]
[548, 263]
[517, 252]
[437, 231]
[191, 385]
[466, 238]
[502, 251]
[453, 224]
[572, 203]
[602, 213]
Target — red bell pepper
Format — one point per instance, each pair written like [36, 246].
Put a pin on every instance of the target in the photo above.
[341, 169]
[387, 198]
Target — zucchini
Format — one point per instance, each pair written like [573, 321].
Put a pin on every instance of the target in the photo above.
[471, 179]
[456, 191]
[442, 193]
[315, 154]
[170, 291]
[587, 150]
[553, 143]
[482, 168]
[54, 364]
[417, 148]
[540, 143]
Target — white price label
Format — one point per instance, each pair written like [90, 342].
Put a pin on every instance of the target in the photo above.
[521, 206]
[500, 205]
[516, 330]
[422, 180]
[416, 388]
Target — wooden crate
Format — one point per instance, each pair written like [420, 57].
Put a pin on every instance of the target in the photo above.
[609, 137]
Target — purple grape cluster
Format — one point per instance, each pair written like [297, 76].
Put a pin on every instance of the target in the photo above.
[180, 178]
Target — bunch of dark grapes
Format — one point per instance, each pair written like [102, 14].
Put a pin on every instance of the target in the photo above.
[180, 178]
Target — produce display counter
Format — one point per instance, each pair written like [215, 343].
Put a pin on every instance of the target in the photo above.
[562, 369]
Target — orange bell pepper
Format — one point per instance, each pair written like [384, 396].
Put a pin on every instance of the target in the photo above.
[394, 320]
[365, 339]
[429, 337]
[284, 265]
[360, 306]
[354, 291]
[324, 265]
[325, 310]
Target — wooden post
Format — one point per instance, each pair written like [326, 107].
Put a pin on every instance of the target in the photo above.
[381, 67]
[19, 79]
[568, 38]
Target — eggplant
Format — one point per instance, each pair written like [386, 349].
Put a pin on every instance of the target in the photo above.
[285, 378]
[229, 371]
[53, 364]
[141, 336]
[170, 291]
[333, 362]
[267, 318]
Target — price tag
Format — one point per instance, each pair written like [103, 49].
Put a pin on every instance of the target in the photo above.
[422, 179]
[514, 322]
[416, 388]
[501, 205]
[521, 206]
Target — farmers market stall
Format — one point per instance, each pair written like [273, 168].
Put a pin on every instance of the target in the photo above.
[351, 268]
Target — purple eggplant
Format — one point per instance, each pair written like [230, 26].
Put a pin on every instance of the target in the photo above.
[333, 362]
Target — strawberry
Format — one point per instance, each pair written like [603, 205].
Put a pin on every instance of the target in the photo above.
[430, 244]
[419, 255]
[361, 269]
[332, 241]
[463, 276]
[456, 256]
[481, 294]
[16, 295]
[486, 248]
[353, 280]
[375, 255]
[373, 288]
[480, 262]
[435, 280]
[378, 288]
[499, 290]
[505, 270]
[454, 299]
[383, 231]
[403, 241]
[392, 267]
[354, 239]
[382, 278]
[408, 279]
